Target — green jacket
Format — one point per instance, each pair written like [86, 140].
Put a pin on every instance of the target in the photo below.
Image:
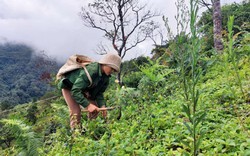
[78, 82]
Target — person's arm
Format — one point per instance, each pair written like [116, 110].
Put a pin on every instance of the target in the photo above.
[79, 85]
[100, 99]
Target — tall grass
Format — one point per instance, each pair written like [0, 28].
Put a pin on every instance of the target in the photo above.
[231, 56]
[190, 72]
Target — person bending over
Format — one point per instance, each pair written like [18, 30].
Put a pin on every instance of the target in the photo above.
[77, 91]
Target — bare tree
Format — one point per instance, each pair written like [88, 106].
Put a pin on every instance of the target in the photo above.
[125, 23]
[205, 4]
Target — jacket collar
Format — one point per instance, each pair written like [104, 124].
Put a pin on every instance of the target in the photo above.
[100, 71]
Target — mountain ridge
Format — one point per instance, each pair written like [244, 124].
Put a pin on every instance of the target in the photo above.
[22, 72]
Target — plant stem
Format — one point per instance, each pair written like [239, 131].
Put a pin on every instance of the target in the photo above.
[232, 53]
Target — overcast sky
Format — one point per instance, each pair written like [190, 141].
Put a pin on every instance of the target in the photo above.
[55, 27]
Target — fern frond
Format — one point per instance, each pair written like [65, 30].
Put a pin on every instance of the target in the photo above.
[26, 140]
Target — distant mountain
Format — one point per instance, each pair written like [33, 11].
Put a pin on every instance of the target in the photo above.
[24, 74]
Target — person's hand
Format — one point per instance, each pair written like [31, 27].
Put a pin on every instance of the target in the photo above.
[104, 113]
[91, 108]
[93, 113]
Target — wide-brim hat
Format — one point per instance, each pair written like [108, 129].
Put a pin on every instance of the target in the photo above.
[112, 60]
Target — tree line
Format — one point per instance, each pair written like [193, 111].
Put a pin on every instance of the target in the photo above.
[24, 74]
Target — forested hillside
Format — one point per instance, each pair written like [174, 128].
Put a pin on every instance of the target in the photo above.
[187, 99]
[24, 74]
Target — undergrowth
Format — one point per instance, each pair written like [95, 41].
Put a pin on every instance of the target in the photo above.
[151, 124]
[152, 121]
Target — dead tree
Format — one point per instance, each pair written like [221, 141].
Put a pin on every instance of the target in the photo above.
[125, 23]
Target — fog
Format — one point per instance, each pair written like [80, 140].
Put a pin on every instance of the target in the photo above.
[54, 26]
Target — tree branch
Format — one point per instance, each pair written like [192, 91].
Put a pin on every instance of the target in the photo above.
[203, 3]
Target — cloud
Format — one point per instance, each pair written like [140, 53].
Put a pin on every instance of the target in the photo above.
[50, 25]
[55, 27]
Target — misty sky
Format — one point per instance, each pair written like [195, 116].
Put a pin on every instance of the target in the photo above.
[55, 27]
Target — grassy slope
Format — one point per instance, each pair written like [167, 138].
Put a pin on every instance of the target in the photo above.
[152, 124]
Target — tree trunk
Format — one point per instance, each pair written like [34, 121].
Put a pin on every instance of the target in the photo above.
[217, 20]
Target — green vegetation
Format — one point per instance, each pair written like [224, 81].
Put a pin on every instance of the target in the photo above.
[24, 74]
[241, 23]
[182, 101]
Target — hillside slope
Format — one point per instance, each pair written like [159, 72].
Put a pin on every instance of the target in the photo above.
[152, 122]
[24, 74]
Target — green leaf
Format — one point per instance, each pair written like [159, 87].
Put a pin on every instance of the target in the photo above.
[199, 141]
[220, 141]
[230, 142]
[186, 109]
[188, 127]
[196, 97]
[200, 118]
[186, 143]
